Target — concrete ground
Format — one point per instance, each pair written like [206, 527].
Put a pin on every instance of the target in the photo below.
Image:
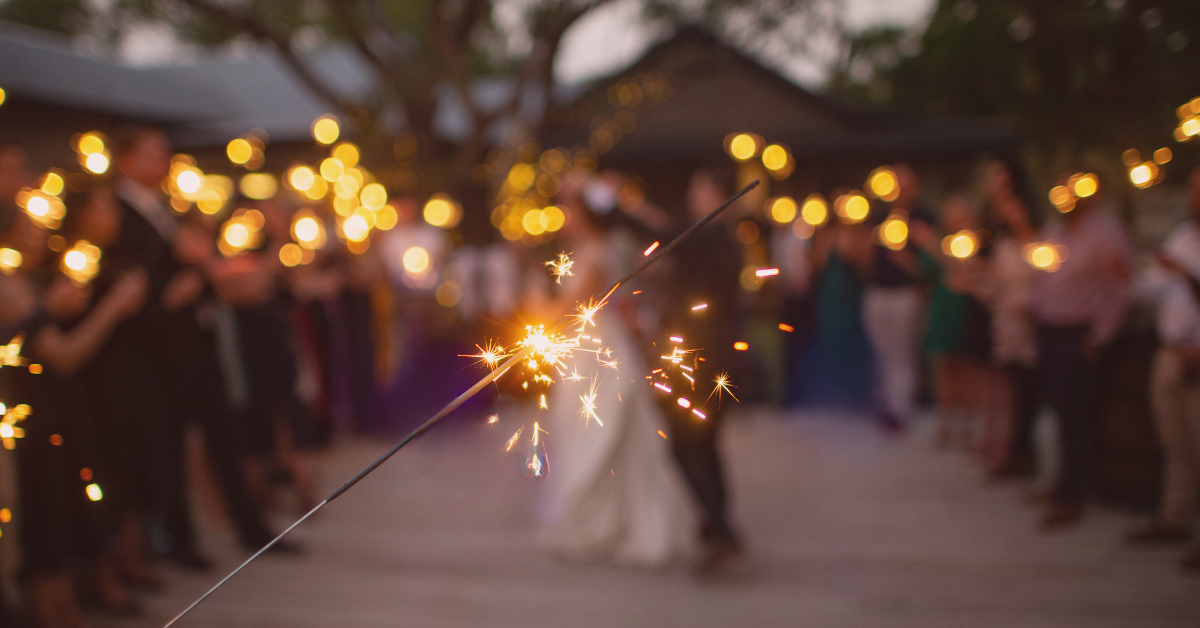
[845, 527]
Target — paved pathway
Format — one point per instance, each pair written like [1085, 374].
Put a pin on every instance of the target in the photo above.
[846, 527]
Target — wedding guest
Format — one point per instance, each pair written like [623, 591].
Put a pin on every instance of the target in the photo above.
[892, 308]
[1014, 344]
[1174, 383]
[1078, 307]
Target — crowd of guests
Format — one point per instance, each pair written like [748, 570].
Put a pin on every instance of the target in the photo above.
[1003, 334]
[118, 372]
[178, 375]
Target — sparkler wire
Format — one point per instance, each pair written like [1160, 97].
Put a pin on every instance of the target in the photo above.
[461, 399]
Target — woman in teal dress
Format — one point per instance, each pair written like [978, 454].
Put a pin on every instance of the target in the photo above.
[836, 370]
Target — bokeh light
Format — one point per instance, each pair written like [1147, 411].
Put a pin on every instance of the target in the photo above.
[239, 151]
[783, 209]
[259, 186]
[883, 184]
[743, 147]
[775, 157]
[325, 129]
[415, 260]
[815, 210]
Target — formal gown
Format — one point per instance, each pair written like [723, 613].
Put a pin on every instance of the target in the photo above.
[614, 493]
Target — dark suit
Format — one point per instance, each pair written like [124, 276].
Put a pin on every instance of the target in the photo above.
[706, 271]
[170, 375]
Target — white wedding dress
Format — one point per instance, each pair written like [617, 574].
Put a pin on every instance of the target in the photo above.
[614, 491]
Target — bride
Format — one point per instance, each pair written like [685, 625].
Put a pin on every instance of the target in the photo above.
[614, 493]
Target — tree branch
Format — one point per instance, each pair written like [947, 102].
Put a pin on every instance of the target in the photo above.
[282, 43]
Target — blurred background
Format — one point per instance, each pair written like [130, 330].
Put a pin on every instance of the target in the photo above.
[953, 331]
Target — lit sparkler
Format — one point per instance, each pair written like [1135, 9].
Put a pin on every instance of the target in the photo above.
[561, 267]
[537, 464]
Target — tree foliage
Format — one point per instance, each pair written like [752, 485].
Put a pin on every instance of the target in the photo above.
[1084, 79]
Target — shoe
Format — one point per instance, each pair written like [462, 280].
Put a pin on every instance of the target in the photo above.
[189, 559]
[1058, 515]
[1191, 561]
[716, 556]
[1156, 531]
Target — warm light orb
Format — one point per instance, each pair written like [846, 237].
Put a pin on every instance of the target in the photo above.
[37, 206]
[521, 177]
[75, 260]
[355, 228]
[291, 254]
[10, 260]
[1163, 155]
[440, 211]
[306, 229]
[237, 235]
[815, 211]
[783, 209]
[894, 232]
[386, 218]
[332, 169]
[259, 186]
[347, 153]
[1044, 256]
[555, 218]
[1140, 175]
[1190, 127]
[961, 245]
[1086, 185]
[94, 493]
[1060, 195]
[90, 144]
[883, 184]
[373, 196]
[239, 151]
[325, 129]
[96, 163]
[415, 260]
[852, 208]
[302, 178]
[188, 181]
[52, 184]
[743, 147]
[775, 157]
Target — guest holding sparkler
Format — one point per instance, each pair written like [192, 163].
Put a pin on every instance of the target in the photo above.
[62, 515]
[176, 354]
[1078, 309]
[1172, 285]
[1014, 345]
[836, 369]
[892, 306]
[945, 332]
[616, 496]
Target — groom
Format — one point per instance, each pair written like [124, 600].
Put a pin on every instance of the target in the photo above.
[706, 268]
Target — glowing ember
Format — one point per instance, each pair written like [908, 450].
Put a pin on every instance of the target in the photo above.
[766, 272]
[561, 267]
[650, 249]
[785, 327]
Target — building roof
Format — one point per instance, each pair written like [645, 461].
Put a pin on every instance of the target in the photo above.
[201, 103]
[716, 90]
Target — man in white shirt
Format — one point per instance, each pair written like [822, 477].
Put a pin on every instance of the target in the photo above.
[1172, 286]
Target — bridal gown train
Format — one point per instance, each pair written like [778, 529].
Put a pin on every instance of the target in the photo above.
[614, 491]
